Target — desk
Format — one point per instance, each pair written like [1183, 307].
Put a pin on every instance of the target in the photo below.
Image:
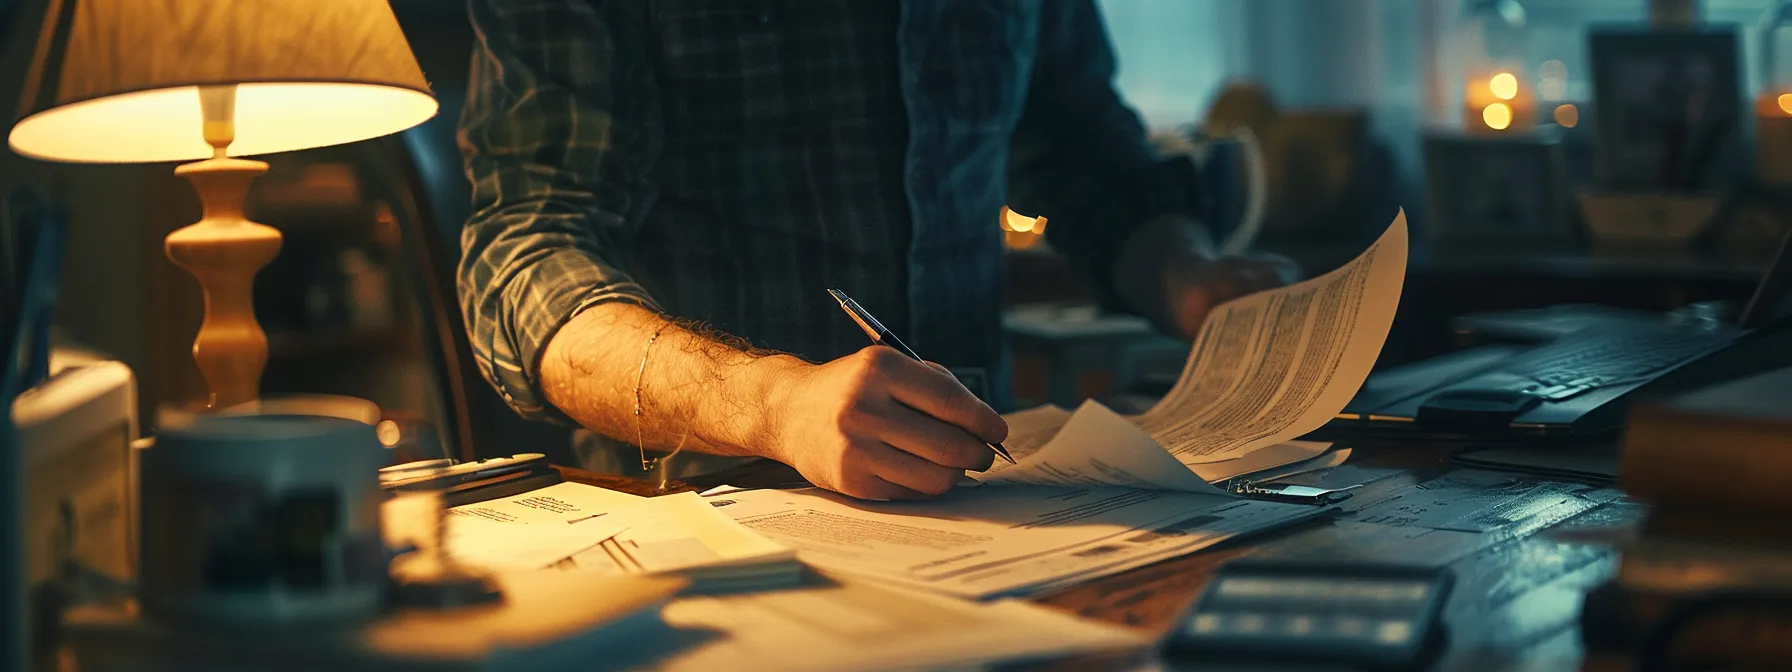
[1518, 586]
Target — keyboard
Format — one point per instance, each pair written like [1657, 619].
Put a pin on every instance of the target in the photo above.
[1578, 364]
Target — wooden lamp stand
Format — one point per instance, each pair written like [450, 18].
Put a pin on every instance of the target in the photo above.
[224, 251]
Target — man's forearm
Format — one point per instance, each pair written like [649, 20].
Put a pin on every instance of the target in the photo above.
[707, 394]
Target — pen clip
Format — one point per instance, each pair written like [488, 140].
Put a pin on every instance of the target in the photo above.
[865, 320]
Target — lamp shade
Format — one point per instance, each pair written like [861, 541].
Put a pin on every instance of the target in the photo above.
[118, 81]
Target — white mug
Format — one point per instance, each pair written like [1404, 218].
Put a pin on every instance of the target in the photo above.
[1202, 146]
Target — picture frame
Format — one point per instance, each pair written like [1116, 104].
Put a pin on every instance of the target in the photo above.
[1668, 105]
[1505, 191]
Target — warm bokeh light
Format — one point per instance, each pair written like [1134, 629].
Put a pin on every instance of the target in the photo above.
[388, 433]
[1567, 115]
[1498, 116]
[1020, 241]
[1015, 221]
[1785, 101]
[166, 124]
[1020, 231]
[1504, 86]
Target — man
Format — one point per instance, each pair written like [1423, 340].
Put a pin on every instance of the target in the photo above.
[664, 190]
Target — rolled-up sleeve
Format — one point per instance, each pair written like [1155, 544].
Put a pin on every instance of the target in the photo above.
[559, 132]
[1081, 157]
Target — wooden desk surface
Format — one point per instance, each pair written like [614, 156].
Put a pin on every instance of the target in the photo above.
[1519, 579]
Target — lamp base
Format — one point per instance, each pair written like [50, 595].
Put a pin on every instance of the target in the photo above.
[224, 251]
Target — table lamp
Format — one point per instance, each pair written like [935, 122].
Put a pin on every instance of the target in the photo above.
[143, 81]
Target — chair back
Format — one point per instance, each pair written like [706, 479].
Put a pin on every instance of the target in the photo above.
[433, 203]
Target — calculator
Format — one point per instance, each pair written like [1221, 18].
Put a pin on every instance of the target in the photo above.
[1372, 616]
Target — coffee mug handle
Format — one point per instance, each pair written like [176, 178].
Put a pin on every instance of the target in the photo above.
[1256, 194]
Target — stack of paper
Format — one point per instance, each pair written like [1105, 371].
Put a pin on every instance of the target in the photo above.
[1265, 369]
[998, 541]
[534, 529]
[683, 534]
[574, 526]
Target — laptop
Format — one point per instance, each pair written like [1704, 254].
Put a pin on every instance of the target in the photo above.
[1580, 383]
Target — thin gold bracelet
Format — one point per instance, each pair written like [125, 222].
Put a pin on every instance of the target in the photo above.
[640, 375]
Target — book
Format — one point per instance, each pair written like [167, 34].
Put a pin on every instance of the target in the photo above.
[1620, 621]
[1738, 593]
[1724, 447]
[1713, 524]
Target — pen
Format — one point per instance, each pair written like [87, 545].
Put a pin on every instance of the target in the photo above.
[882, 336]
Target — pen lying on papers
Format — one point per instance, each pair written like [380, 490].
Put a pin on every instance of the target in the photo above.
[882, 336]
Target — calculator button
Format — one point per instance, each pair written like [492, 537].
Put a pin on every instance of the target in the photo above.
[1350, 626]
[1393, 632]
[1249, 624]
[1298, 625]
[1204, 624]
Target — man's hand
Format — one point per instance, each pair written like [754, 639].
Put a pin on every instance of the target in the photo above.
[1194, 287]
[878, 425]
[1167, 271]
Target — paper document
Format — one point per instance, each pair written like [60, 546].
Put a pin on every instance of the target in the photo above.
[477, 542]
[553, 504]
[1097, 446]
[615, 533]
[1326, 460]
[534, 529]
[1258, 464]
[858, 626]
[1031, 429]
[684, 533]
[1266, 369]
[1274, 365]
[991, 541]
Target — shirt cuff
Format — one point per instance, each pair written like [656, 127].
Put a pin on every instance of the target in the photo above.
[539, 301]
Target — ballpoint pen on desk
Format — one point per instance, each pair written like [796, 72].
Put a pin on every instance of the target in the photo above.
[883, 336]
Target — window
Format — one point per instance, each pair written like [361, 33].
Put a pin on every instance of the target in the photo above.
[1172, 56]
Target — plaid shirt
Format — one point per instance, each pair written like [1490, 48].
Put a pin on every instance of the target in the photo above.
[728, 160]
